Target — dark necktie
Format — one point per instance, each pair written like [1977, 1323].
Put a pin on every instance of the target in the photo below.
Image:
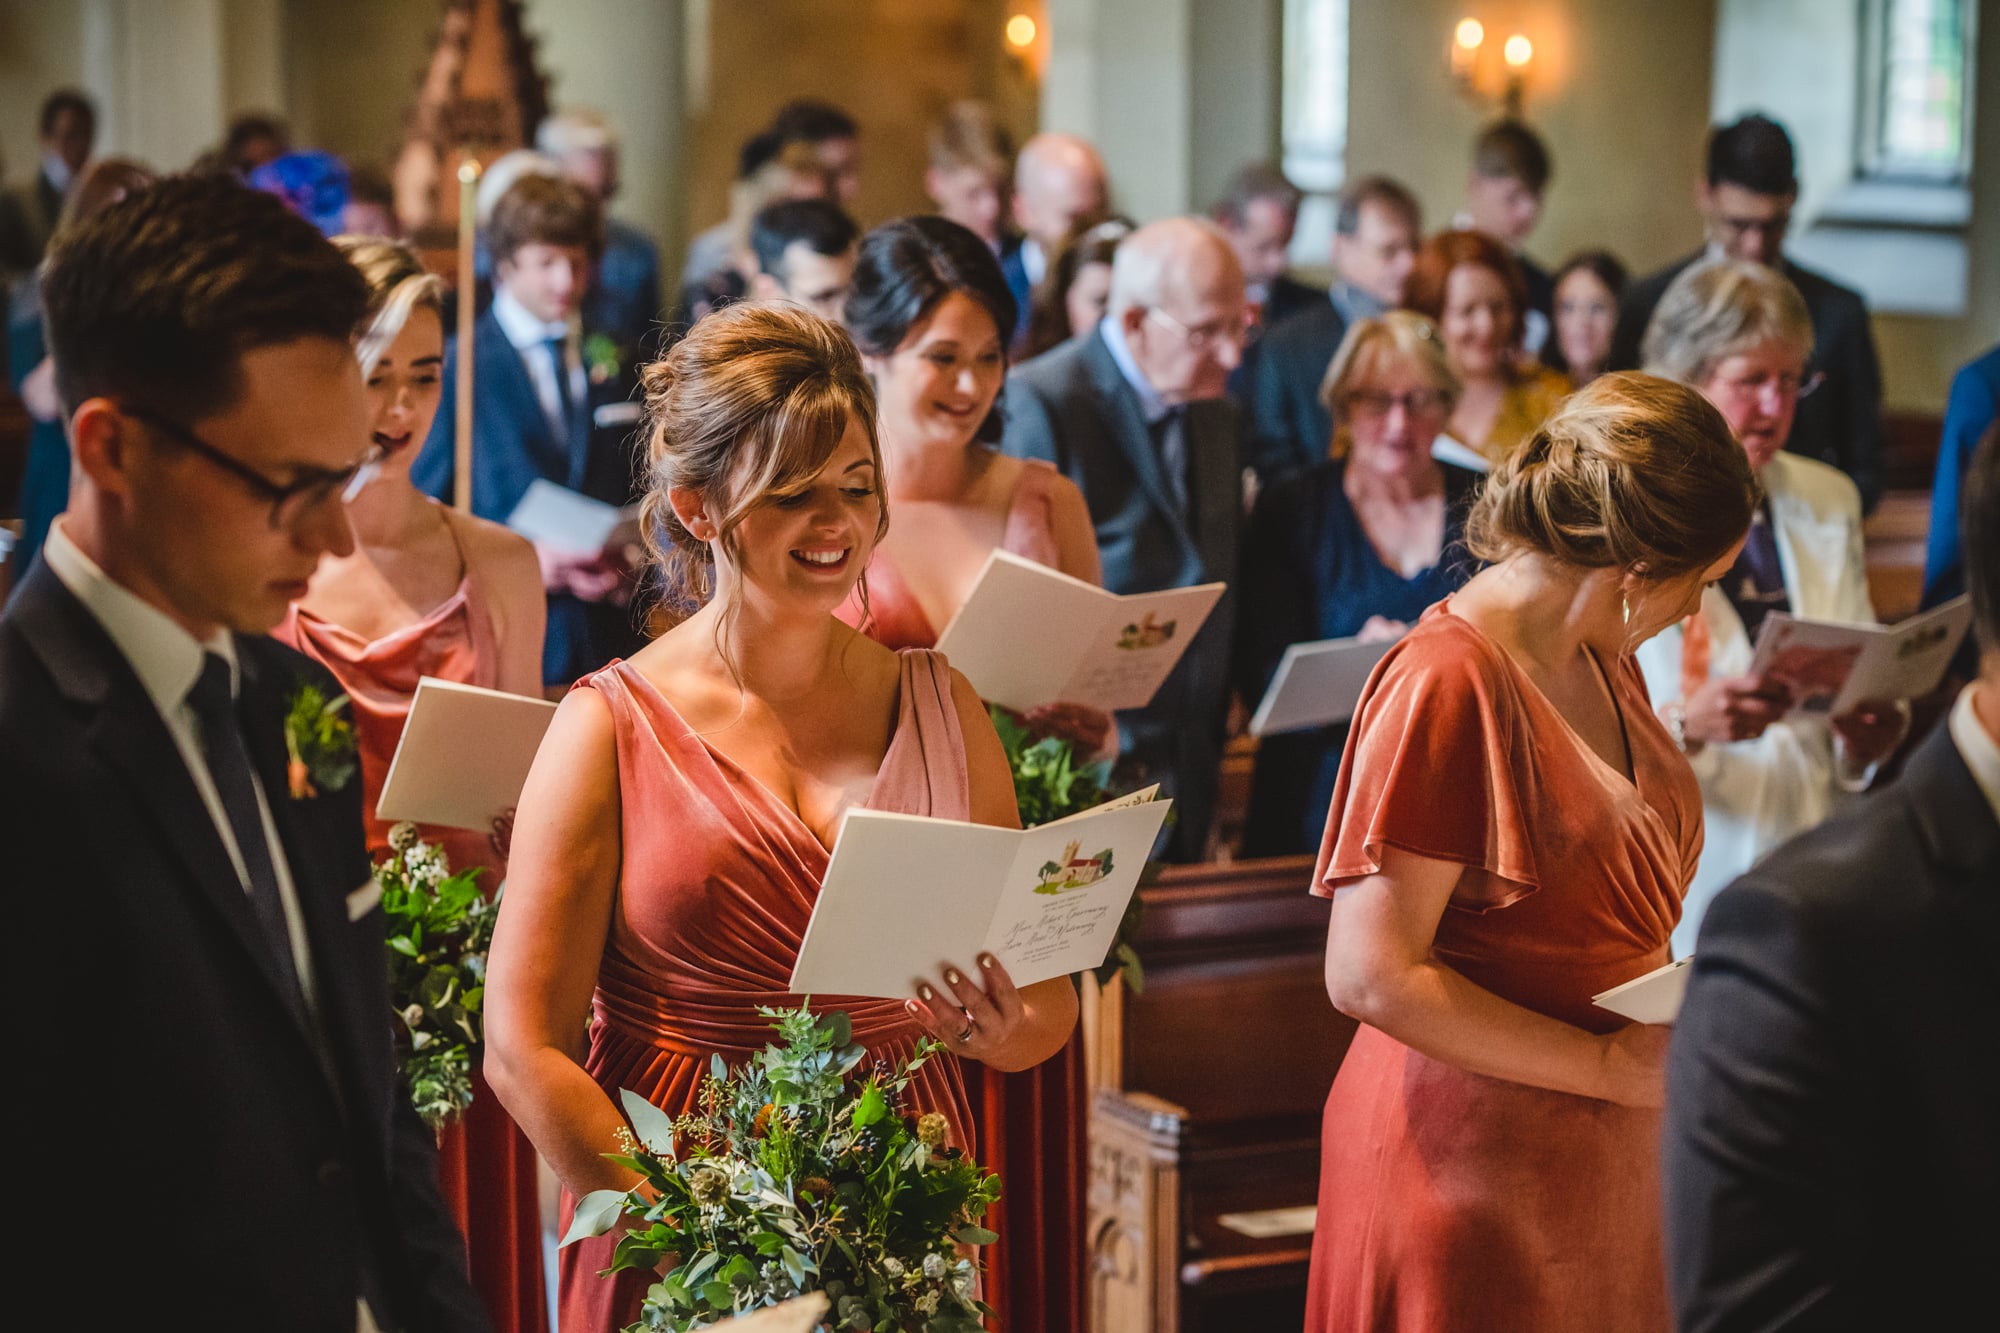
[228, 756]
[1755, 585]
[559, 354]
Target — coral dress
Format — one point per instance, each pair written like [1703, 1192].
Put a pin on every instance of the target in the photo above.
[1450, 1200]
[716, 885]
[1031, 1123]
[486, 1166]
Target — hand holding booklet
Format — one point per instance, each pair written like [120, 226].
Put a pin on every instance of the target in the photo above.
[1831, 667]
[905, 893]
[1029, 636]
[464, 755]
[569, 521]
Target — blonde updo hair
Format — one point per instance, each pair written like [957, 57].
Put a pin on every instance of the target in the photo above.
[1716, 309]
[1368, 344]
[746, 410]
[397, 286]
[1633, 472]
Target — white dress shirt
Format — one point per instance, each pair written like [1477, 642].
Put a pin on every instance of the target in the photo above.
[168, 660]
[1975, 743]
[530, 337]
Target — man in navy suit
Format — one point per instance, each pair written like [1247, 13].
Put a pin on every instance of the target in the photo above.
[194, 952]
[1132, 412]
[1376, 230]
[1060, 189]
[1746, 205]
[541, 414]
[1832, 1143]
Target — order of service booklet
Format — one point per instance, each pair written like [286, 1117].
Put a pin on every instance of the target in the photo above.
[1831, 667]
[1653, 998]
[1317, 684]
[464, 755]
[905, 894]
[1029, 635]
[566, 520]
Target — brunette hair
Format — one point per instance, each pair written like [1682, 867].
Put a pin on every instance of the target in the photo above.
[1608, 269]
[1449, 250]
[547, 210]
[103, 183]
[1048, 308]
[906, 268]
[1508, 150]
[398, 285]
[1632, 472]
[746, 409]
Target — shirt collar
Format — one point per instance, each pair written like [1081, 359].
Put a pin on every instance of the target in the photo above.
[1975, 743]
[1151, 405]
[1352, 303]
[56, 171]
[1034, 261]
[165, 657]
[523, 330]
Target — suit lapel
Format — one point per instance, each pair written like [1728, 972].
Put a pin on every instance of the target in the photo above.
[1810, 548]
[1946, 803]
[1127, 420]
[517, 401]
[1217, 485]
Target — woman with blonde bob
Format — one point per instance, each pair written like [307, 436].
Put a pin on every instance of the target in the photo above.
[1510, 834]
[1740, 334]
[678, 819]
[1356, 546]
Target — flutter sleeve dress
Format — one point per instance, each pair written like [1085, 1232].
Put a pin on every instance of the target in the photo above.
[1449, 1199]
[716, 884]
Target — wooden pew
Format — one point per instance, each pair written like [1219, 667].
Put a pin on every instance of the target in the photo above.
[1209, 1088]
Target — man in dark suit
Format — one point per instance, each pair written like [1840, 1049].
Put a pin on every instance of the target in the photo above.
[1259, 212]
[1060, 188]
[28, 212]
[541, 413]
[1132, 412]
[1746, 204]
[1832, 1141]
[230, 1047]
[1377, 227]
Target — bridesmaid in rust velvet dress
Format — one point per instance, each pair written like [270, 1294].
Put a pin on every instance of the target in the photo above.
[927, 308]
[428, 592]
[1511, 833]
[677, 822]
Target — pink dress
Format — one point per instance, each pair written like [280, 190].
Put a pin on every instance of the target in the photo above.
[486, 1166]
[716, 884]
[1448, 1199]
[1031, 1123]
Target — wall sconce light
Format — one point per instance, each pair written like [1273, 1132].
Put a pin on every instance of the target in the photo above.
[1517, 52]
[1020, 32]
[1466, 40]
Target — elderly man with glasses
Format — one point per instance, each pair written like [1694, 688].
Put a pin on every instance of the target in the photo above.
[1133, 412]
[1746, 203]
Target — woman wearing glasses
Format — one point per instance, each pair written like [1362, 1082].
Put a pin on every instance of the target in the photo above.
[1356, 546]
[430, 592]
[1739, 333]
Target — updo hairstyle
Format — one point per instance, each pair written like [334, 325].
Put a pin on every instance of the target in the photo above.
[905, 269]
[398, 285]
[1633, 472]
[746, 410]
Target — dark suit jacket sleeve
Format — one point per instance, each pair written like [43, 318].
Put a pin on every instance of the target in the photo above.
[1635, 311]
[1855, 371]
[433, 469]
[1271, 429]
[433, 1248]
[1271, 574]
[1030, 431]
[1760, 1153]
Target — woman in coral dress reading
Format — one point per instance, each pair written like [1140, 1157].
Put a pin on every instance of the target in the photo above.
[928, 308]
[428, 592]
[678, 819]
[1511, 833]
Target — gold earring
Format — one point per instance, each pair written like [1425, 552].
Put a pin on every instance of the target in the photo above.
[1625, 605]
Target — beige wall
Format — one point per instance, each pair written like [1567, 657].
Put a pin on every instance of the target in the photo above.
[41, 49]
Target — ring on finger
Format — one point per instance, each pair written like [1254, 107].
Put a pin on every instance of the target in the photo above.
[966, 1035]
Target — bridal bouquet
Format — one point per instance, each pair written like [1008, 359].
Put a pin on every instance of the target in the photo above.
[800, 1172]
[439, 927]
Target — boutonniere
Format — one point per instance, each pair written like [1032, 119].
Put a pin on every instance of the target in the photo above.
[319, 742]
[600, 357]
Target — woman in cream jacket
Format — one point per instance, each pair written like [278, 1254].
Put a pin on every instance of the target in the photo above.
[1740, 334]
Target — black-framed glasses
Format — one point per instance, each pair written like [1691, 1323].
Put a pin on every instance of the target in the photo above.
[290, 500]
[1415, 403]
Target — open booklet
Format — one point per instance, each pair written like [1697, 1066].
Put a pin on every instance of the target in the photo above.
[1317, 684]
[464, 755]
[905, 893]
[1653, 998]
[1831, 667]
[566, 520]
[1029, 635]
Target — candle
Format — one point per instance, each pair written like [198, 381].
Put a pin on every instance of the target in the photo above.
[468, 209]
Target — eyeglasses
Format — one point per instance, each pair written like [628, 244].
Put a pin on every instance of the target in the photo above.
[1415, 403]
[1754, 387]
[289, 501]
[1207, 335]
[1771, 229]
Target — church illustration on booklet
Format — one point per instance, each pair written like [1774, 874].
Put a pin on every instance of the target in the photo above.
[1072, 872]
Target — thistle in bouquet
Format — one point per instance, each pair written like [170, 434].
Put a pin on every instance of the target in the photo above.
[801, 1171]
[440, 926]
